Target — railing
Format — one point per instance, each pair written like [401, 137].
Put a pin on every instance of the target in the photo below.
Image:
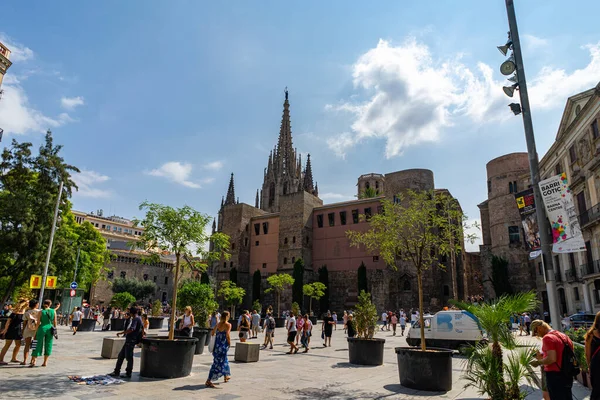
[590, 215]
[589, 269]
[571, 275]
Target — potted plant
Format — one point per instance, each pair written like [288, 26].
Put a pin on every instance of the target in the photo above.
[233, 296]
[415, 229]
[364, 349]
[156, 319]
[314, 290]
[122, 301]
[279, 282]
[583, 377]
[202, 300]
[175, 231]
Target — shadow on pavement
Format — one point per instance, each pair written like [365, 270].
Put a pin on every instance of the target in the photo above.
[191, 387]
[41, 386]
[331, 392]
[399, 389]
[352, 366]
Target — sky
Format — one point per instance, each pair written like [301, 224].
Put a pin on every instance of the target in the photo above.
[162, 101]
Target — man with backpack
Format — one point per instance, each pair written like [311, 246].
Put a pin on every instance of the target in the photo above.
[133, 336]
[558, 359]
[269, 331]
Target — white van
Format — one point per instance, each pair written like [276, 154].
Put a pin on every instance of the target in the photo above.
[447, 329]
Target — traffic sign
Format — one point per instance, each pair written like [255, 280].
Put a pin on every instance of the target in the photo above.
[51, 282]
[73, 285]
[73, 292]
[35, 282]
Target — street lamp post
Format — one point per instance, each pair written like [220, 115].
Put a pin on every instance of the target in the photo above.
[543, 224]
[60, 188]
[74, 277]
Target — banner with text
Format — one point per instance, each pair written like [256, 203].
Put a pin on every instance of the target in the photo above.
[526, 204]
[560, 209]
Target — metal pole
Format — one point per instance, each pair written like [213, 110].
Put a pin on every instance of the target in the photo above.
[74, 276]
[543, 224]
[41, 299]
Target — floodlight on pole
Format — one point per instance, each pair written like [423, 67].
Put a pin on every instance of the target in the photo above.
[509, 66]
[505, 47]
[510, 90]
[514, 78]
[515, 108]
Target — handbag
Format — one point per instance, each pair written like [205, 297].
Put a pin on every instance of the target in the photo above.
[211, 343]
[323, 335]
[54, 332]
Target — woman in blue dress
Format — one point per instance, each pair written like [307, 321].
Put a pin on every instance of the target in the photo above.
[220, 365]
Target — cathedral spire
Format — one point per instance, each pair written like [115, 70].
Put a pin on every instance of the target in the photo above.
[230, 199]
[214, 227]
[285, 157]
[256, 201]
[308, 177]
[316, 192]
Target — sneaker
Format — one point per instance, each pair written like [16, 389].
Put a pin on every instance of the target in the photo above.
[126, 376]
[114, 374]
[271, 348]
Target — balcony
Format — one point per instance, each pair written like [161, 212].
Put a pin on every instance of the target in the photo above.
[590, 269]
[590, 216]
[572, 275]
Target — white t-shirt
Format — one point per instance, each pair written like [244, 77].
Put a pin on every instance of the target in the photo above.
[413, 317]
[292, 324]
[77, 316]
[384, 317]
[402, 320]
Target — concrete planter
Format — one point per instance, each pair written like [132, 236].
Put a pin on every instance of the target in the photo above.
[247, 352]
[166, 359]
[117, 324]
[111, 346]
[429, 370]
[86, 325]
[365, 351]
[156, 322]
[200, 334]
[279, 322]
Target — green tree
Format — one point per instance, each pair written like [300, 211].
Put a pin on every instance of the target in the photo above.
[314, 290]
[298, 276]
[200, 297]
[296, 309]
[257, 306]
[499, 279]
[362, 278]
[176, 231]
[279, 283]
[157, 308]
[408, 230]
[324, 279]
[122, 300]
[139, 289]
[256, 285]
[28, 191]
[205, 279]
[485, 367]
[231, 294]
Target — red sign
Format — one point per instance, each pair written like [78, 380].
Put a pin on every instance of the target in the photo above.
[73, 292]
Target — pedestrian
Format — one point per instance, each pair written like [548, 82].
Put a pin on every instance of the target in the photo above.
[244, 327]
[186, 327]
[255, 324]
[345, 320]
[553, 344]
[133, 335]
[384, 317]
[106, 318]
[30, 325]
[145, 324]
[592, 348]
[334, 316]
[77, 315]
[394, 321]
[45, 333]
[299, 327]
[220, 365]
[527, 320]
[402, 323]
[292, 332]
[214, 320]
[269, 329]
[566, 322]
[306, 332]
[13, 332]
[327, 329]
[414, 317]
[350, 326]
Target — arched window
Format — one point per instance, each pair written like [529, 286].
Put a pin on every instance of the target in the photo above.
[406, 287]
[293, 260]
[367, 185]
[284, 240]
[285, 188]
[294, 239]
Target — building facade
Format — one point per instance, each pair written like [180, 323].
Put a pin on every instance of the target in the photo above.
[290, 222]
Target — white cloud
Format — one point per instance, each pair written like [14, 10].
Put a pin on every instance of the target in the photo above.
[207, 180]
[177, 172]
[17, 116]
[71, 102]
[87, 182]
[18, 52]
[213, 166]
[532, 42]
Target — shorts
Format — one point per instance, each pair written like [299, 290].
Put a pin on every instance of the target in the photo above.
[75, 324]
[328, 334]
[243, 333]
[291, 336]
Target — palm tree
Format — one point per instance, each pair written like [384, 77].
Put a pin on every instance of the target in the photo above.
[494, 319]
[368, 193]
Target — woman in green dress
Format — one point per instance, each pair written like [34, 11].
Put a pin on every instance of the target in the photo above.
[47, 320]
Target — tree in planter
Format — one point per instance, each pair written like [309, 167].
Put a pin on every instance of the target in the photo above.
[314, 290]
[365, 316]
[201, 298]
[298, 276]
[408, 230]
[324, 279]
[486, 369]
[157, 309]
[296, 309]
[279, 283]
[231, 294]
[122, 300]
[176, 230]
[256, 285]
[257, 306]
[362, 278]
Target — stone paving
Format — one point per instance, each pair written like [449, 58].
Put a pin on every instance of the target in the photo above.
[323, 373]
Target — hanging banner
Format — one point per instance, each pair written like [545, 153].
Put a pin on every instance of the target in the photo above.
[51, 282]
[35, 282]
[526, 204]
[560, 209]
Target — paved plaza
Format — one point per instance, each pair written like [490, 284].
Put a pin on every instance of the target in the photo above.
[323, 373]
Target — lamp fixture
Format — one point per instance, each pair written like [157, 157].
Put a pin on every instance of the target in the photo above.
[508, 66]
[514, 78]
[510, 90]
[505, 47]
[515, 108]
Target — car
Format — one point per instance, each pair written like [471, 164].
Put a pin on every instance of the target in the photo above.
[582, 320]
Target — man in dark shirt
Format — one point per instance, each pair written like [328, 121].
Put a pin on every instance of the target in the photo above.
[133, 334]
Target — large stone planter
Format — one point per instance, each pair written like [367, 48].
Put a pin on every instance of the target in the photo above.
[200, 334]
[247, 352]
[234, 324]
[429, 370]
[313, 320]
[156, 322]
[117, 324]
[279, 322]
[111, 346]
[86, 325]
[166, 359]
[365, 351]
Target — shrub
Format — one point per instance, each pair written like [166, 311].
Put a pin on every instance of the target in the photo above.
[156, 309]
[257, 306]
[365, 316]
[122, 300]
[200, 297]
[576, 334]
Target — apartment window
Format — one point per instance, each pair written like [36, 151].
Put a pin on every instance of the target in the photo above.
[376, 184]
[595, 132]
[284, 260]
[114, 228]
[572, 154]
[232, 246]
[293, 260]
[375, 258]
[155, 278]
[512, 187]
[265, 227]
[576, 293]
[320, 220]
[368, 213]
[166, 280]
[108, 227]
[257, 229]
[307, 239]
[123, 274]
[558, 169]
[331, 218]
[355, 216]
[264, 265]
[256, 243]
[145, 277]
[514, 235]
[103, 226]
[225, 265]
[490, 186]
[96, 225]
[572, 261]
[343, 217]
[293, 239]
[557, 263]
[284, 240]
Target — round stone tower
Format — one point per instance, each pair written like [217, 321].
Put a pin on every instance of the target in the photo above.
[415, 179]
[372, 180]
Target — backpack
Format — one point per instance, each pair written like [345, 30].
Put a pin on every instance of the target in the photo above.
[569, 365]
[271, 324]
[31, 322]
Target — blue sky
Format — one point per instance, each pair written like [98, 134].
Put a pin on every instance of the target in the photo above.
[161, 101]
